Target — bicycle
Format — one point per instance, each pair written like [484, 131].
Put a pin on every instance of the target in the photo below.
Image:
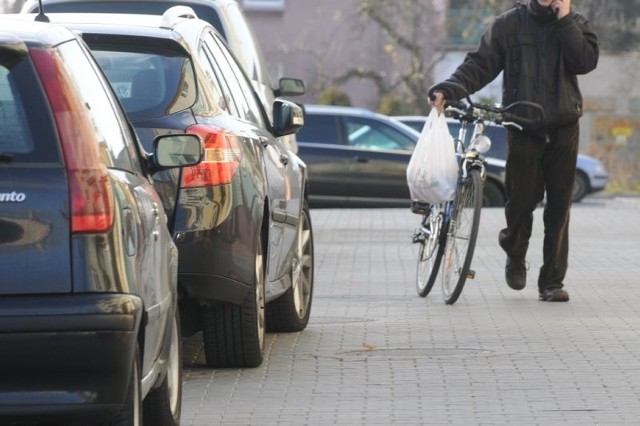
[448, 231]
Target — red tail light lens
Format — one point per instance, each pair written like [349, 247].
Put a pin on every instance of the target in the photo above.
[89, 184]
[222, 156]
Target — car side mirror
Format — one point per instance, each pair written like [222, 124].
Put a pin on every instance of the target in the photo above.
[287, 117]
[290, 87]
[176, 150]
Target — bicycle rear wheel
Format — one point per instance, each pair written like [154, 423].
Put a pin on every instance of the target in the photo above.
[462, 235]
[430, 250]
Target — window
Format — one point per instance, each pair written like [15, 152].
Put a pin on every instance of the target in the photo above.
[466, 21]
[241, 90]
[277, 5]
[319, 129]
[16, 135]
[371, 134]
[149, 84]
[115, 144]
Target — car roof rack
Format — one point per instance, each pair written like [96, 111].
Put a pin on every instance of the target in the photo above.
[175, 14]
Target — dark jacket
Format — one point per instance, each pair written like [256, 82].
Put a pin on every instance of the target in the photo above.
[540, 55]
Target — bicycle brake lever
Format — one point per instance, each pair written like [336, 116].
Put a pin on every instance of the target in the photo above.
[512, 124]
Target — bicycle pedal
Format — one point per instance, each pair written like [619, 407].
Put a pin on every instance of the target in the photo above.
[471, 274]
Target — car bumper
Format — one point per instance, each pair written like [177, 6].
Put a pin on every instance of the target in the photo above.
[598, 182]
[66, 355]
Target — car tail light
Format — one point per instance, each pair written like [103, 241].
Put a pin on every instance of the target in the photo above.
[89, 184]
[222, 156]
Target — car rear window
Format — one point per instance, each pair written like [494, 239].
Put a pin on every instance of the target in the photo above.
[25, 126]
[319, 128]
[148, 84]
[16, 136]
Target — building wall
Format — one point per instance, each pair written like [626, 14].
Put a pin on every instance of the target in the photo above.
[318, 40]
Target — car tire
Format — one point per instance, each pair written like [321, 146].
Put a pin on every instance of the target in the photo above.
[492, 195]
[163, 405]
[290, 312]
[234, 334]
[131, 412]
[580, 187]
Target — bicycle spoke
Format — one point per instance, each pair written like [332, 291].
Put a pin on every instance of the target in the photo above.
[461, 237]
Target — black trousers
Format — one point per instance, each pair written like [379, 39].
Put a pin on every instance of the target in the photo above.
[534, 167]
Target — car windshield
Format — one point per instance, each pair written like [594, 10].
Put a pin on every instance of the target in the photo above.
[148, 84]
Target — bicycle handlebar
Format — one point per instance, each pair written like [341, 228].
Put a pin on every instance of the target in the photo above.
[506, 116]
[466, 111]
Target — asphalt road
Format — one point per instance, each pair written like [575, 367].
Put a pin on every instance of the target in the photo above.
[375, 353]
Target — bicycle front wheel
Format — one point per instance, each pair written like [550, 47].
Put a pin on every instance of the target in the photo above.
[462, 235]
[430, 250]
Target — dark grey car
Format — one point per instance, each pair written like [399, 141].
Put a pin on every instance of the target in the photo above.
[356, 157]
[241, 221]
[226, 16]
[89, 330]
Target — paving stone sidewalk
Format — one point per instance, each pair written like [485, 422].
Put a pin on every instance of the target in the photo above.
[375, 353]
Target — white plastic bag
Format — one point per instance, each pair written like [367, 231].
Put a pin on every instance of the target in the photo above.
[432, 172]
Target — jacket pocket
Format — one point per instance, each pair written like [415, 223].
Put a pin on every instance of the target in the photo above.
[522, 54]
[521, 65]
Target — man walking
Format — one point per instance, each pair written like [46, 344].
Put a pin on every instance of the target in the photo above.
[540, 47]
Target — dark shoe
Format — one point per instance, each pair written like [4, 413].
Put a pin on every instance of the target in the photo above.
[554, 295]
[515, 272]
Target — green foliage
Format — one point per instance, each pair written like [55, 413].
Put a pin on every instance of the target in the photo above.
[334, 96]
[391, 104]
[616, 23]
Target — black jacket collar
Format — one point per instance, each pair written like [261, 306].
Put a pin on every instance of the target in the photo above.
[540, 13]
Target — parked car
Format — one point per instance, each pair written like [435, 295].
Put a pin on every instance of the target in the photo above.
[224, 15]
[591, 176]
[241, 222]
[356, 157]
[88, 296]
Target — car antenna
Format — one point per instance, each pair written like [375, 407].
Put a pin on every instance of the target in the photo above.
[41, 17]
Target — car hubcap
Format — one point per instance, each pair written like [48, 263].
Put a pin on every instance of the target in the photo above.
[173, 373]
[302, 267]
[260, 320]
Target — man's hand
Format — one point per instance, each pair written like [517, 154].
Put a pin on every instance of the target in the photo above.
[438, 101]
[561, 7]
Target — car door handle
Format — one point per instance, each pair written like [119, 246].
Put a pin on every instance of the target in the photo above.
[284, 159]
[360, 159]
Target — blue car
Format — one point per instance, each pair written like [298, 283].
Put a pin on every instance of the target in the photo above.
[89, 325]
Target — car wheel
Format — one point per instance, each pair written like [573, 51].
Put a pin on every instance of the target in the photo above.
[580, 187]
[163, 404]
[131, 412]
[234, 334]
[290, 312]
[492, 195]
